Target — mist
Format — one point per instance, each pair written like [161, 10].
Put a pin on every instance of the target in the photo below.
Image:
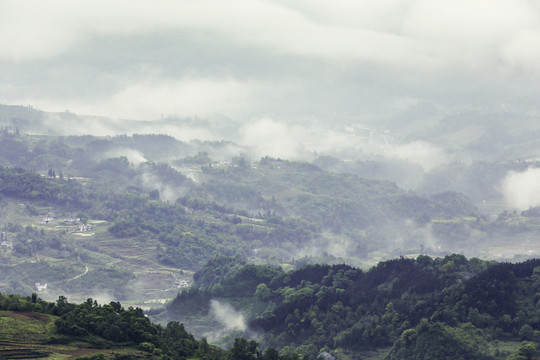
[395, 91]
[522, 189]
[167, 192]
[227, 316]
[135, 157]
[405, 127]
[280, 59]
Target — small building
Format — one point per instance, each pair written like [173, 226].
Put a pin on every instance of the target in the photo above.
[85, 227]
[181, 283]
[7, 245]
[41, 286]
[47, 220]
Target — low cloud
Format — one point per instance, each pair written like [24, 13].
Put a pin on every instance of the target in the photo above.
[410, 235]
[399, 33]
[167, 192]
[134, 157]
[151, 97]
[270, 138]
[227, 316]
[186, 97]
[423, 153]
[297, 141]
[521, 190]
[139, 59]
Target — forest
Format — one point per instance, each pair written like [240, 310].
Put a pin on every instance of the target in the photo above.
[309, 261]
[278, 207]
[423, 308]
[104, 328]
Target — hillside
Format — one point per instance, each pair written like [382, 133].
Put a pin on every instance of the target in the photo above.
[420, 308]
[86, 221]
[275, 250]
[401, 306]
[33, 328]
[32, 335]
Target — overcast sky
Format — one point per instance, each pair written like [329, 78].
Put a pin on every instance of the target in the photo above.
[346, 60]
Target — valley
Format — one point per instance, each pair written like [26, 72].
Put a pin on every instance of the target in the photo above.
[147, 217]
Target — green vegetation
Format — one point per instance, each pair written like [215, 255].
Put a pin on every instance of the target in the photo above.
[82, 217]
[152, 215]
[33, 328]
[425, 308]
[236, 191]
[440, 341]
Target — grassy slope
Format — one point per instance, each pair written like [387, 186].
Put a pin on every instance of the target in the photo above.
[25, 335]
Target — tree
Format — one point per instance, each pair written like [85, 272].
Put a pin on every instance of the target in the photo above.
[271, 354]
[146, 346]
[263, 292]
[525, 351]
[154, 194]
[204, 348]
[244, 350]
[83, 218]
[526, 333]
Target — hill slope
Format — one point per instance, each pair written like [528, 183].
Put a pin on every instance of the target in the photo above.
[466, 302]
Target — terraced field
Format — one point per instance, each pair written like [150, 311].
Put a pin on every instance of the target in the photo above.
[150, 284]
[27, 335]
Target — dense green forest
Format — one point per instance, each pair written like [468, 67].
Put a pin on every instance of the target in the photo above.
[423, 308]
[110, 327]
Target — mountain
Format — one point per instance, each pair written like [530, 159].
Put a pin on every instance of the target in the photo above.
[90, 219]
[33, 328]
[449, 307]
[275, 250]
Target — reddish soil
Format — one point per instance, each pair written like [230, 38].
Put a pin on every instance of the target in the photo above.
[40, 317]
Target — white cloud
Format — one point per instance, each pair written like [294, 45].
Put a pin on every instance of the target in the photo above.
[522, 189]
[227, 316]
[134, 157]
[522, 52]
[186, 97]
[262, 57]
[415, 33]
[149, 99]
[270, 138]
[423, 153]
[34, 29]
[299, 141]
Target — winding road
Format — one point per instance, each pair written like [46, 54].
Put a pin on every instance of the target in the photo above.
[78, 276]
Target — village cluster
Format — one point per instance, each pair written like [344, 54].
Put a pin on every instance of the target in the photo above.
[181, 283]
[49, 219]
[5, 244]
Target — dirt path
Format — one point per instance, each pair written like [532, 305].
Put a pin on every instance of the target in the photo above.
[78, 276]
